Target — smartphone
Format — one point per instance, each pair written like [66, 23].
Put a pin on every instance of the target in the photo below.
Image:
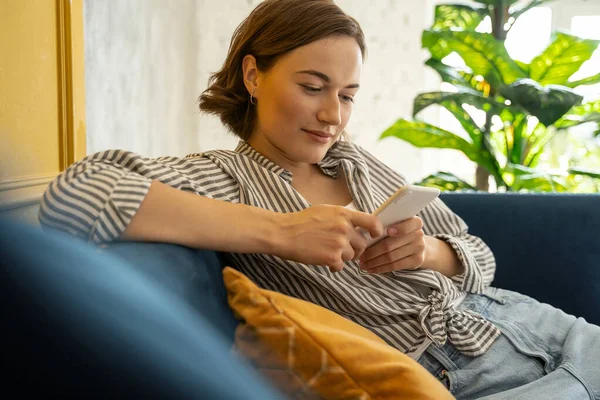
[406, 203]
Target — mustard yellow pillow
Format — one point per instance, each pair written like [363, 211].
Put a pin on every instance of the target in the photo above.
[308, 351]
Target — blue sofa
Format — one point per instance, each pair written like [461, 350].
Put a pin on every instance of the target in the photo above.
[546, 245]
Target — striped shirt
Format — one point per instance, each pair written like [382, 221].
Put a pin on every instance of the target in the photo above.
[97, 197]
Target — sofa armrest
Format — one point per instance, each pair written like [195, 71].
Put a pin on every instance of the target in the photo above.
[76, 321]
[194, 275]
[547, 246]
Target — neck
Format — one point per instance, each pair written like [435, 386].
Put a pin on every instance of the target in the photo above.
[278, 156]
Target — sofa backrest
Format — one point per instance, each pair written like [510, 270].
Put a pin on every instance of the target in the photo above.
[546, 245]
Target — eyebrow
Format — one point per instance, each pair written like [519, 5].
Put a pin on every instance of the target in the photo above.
[324, 77]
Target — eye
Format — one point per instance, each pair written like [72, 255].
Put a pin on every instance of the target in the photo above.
[311, 89]
[347, 99]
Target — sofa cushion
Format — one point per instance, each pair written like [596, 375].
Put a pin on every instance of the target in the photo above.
[307, 350]
[195, 275]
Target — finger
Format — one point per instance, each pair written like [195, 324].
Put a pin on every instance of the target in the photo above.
[358, 243]
[347, 252]
[389, 244]
[369, 222]
[405, 227]
[336, 266]
[390, 257]
[407, 264]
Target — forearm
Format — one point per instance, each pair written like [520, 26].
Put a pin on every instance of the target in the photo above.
[441, 257]
[174, 216]
[98, 197]
[479, 264]
[476, 258]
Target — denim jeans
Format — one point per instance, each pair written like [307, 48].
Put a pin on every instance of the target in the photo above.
[542, 353]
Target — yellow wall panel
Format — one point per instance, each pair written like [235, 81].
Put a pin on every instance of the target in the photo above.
[42, 96]
[28, 89]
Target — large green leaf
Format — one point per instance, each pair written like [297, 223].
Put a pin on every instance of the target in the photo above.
[582, 114]
[499, 147]
[446, 181]
[462, 96]
[583, 180]
[458, 76]
[459, 16]
[548, 103]
[585, 172]
[536, 142]
[590, 80]
[524, 67]
[520, 178]
[561, 59]
[514, 130]
[482, 53]
[422, 134]
[453, 102]
[466, 121]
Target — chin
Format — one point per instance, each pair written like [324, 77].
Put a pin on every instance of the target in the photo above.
[315, 154]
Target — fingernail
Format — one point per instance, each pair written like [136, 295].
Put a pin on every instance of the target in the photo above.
[392, 231]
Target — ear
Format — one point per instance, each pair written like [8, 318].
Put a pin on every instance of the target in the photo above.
[250, 73]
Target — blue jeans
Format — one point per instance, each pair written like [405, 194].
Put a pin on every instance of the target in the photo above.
[542, 353]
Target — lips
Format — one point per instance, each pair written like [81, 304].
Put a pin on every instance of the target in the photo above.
[320, 133]
[319, 136]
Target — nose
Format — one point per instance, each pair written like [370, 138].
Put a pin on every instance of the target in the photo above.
[330, 111]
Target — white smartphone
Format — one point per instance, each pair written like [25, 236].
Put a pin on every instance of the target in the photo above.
[406, 203]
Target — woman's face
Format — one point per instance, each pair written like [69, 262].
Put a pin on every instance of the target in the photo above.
[305, 100]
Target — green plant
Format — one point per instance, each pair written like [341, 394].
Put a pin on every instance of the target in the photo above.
[525, 104]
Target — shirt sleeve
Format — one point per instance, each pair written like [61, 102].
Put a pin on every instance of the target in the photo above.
[476, 257]
[97, 197]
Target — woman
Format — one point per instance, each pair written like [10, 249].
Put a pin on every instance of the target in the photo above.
[286, 204]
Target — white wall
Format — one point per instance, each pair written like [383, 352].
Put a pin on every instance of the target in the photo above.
[148, 60]
[392, 76]
[141, 75]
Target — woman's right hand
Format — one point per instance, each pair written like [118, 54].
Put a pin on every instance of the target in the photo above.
[325, 235]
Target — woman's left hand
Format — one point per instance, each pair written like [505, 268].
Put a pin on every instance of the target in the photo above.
[408, 248]
[404, 249]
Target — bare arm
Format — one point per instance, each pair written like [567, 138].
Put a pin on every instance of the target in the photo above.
[441, 257]
[321, 235]
[174, 216]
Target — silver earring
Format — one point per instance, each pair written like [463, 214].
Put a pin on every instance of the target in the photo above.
[252, 101]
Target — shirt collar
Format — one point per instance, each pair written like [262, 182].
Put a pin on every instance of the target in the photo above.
[329, 164]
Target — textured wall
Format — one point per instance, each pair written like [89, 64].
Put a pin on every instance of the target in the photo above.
[141, 75]
[148, 60]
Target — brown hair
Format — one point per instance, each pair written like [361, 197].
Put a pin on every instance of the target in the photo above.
[273, 28]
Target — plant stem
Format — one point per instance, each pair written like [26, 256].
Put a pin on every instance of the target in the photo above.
[482, 175]
[482, 178]
[499, 17]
